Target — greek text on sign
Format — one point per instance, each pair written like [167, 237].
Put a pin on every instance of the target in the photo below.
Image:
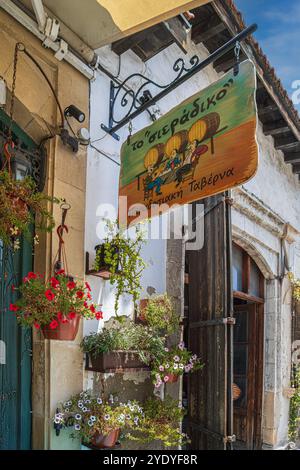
[204, 146]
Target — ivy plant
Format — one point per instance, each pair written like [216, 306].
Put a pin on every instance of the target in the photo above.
[122, 254]
[159, 313]
[294, 419]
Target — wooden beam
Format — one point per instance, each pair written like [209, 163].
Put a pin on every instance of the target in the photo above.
[296, 169]
[288, 143]
[292, 157]
[224, 66]
[267, 109]
[202, 33]
[276, 127]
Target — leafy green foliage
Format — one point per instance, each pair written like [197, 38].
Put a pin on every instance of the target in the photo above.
[122, 255]
[161, 421]
[296, 286]
[128, 337]
[21, 205]
[160, 314]
[294, 420]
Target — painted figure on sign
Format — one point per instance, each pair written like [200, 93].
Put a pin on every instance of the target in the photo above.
[154, 181]
[191, 159]
[174, 160]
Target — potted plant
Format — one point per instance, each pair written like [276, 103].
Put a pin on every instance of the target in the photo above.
[126, 346]
[21, 205]
[160, 422]
[158, 312]
[175, 361]
[120, 254]
[55, 305]
[97, 421]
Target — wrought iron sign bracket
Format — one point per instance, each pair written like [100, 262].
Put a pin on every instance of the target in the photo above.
[137, 101]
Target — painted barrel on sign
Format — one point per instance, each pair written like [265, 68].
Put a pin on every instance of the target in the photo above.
[177, 142]
[154, 156]
[205, 127]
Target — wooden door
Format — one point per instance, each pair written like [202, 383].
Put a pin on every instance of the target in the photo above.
[247, 347]
[209, 331]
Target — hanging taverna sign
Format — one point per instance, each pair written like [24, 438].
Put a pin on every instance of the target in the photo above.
[204, 146]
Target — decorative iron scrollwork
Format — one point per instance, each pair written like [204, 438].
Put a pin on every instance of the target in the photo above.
[122, 96]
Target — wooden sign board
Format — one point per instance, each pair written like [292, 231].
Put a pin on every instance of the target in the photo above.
[204, 146]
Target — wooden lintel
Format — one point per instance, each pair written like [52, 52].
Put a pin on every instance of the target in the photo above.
[225, 65]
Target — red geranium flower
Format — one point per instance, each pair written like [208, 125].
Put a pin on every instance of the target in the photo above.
[88, 286]
[37, 325]
[71, 285]
[99, 315]
[31, 275]
[13, 308]
[72, 315]
[53, 325]
[49, 295]
[89, 296]
[80, 294]
[59, 316]
[92, 309]
[54, 282]
[61, 271]
[86, 305]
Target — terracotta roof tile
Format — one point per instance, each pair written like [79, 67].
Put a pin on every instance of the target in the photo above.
[263, 61]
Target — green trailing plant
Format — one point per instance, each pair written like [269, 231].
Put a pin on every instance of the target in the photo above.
[161, 421]
[86, 415]
[128, 337]
[295, 285]
[294, 418]
[159, 313]
[122, 256]
[20, 206]
[176, 360]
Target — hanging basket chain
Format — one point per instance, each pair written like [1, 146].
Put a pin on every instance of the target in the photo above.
[60, 260]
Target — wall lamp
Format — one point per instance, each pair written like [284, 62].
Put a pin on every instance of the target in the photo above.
[72, 111]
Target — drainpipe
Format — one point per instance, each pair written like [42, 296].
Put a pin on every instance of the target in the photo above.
[50, 39]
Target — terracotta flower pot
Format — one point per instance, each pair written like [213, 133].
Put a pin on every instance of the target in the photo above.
[105, 442]
[116, 361]
[64, 331]
[173, 378]
[141, 313]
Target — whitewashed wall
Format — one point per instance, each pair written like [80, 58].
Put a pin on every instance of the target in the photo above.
[261, 208]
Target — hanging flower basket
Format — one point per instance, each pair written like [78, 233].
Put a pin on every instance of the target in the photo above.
[20, 206]
[102, 264]
[64, 331]
[55, 306]
[107, 441]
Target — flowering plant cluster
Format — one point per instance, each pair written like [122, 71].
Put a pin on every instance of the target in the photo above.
[296, 286]
[49, 302]
[175, 361]
[20, 205]
[161, 422]
[87, 415]
[160, 314]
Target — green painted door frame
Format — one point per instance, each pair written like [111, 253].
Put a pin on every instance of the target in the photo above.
[15, 342]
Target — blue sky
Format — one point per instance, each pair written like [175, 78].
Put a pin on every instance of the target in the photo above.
[278, 34]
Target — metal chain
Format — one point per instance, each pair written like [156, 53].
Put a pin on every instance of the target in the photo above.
[13, 92]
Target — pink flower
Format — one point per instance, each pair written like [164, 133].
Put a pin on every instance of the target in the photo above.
[166, 378]
[181, 346]
[161, 368]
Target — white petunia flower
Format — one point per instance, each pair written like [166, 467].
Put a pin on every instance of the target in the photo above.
[78, 416]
